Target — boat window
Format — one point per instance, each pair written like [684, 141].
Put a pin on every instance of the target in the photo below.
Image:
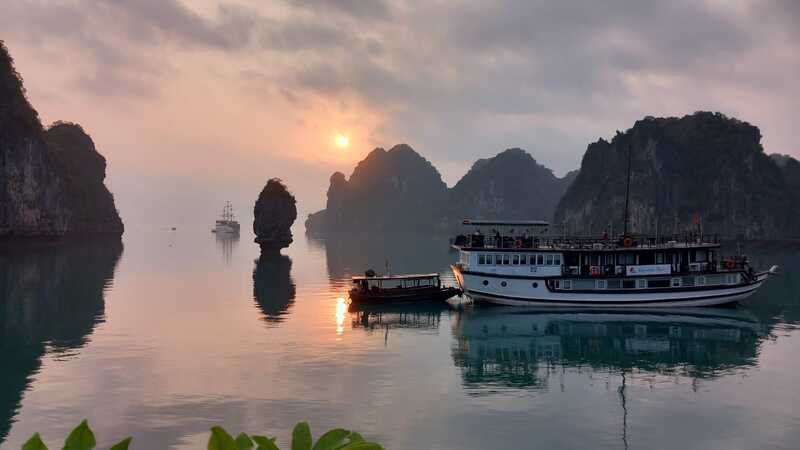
[658, 283]
[557, 260]
[614, 284]
[609, 259]
[676, 282]
[700, 281]
[600, 284]
[626, 259]
[701, 256]
[539, 259]
[566, 284]
[557, 284]
[641, 284]
[523, 259]
[481, 259]
[549, 260]
[516, 260]
[506, 260]
[498, 259]
[628, 284]
[659, 258]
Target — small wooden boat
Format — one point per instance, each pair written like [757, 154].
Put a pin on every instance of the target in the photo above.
[400, 288]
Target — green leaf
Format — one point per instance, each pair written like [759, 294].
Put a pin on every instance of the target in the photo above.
[221, 440]
[332, 440]
[81, 438]
[265, 443]
[243, 442]
[355, 437]
[122, 445]
[301, 437]
[362, 445]
[34, 443]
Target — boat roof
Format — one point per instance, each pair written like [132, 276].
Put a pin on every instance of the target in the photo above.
[397, 277]
[507, 223]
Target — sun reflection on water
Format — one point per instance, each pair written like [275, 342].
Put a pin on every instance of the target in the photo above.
[341, 311]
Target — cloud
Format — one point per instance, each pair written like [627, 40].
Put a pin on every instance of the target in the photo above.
[460, 80]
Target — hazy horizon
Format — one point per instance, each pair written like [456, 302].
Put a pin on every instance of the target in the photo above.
[195, 103]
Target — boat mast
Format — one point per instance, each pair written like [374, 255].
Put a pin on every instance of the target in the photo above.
[627, 194]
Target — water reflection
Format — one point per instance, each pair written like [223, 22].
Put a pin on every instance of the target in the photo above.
[420, 316]
[352, 254]
[227, 243]
[273, 287]
[51, 298]
[520, 347]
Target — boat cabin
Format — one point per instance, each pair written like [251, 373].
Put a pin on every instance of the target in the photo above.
[526, 248]
[382, 283]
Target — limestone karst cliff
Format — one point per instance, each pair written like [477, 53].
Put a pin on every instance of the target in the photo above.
[702, 166]
[399, 190]
[51, 180]
[274, 213]
[510, 185]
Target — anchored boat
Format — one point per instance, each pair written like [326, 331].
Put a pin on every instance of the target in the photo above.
[227, 223]
[517, 263]
[376, 289]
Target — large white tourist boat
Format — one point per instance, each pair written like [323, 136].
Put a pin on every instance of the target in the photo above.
[518, 263]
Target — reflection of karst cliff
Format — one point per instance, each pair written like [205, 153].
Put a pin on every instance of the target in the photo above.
[51, 298]
[352, 254]
[273, 288]
[516, 348]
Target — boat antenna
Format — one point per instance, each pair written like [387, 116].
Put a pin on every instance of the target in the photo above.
[627, 193]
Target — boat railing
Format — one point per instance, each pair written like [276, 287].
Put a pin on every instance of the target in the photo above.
[733, 265]
[478, 240]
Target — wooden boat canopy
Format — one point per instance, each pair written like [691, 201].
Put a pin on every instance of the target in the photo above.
[420, 276]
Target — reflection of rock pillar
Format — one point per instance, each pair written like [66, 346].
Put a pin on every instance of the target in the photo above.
[274, 214]
[273, 288]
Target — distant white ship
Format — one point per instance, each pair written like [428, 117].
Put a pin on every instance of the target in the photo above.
[227, 224]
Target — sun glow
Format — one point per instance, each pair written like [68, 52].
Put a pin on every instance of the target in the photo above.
[341, 141]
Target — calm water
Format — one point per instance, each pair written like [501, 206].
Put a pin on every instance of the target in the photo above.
[179, 331]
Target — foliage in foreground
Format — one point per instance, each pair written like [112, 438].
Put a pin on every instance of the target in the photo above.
[82, 438]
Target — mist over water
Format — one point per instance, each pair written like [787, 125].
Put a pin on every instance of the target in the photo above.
[170, 332]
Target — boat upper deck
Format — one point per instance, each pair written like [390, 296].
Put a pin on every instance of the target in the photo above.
[533, 236]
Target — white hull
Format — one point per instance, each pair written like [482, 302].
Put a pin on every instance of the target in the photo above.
[530, 291]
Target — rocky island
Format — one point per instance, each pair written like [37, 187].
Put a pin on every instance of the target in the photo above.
[51, 180]
[703, 169]
[274, 213]
[399, 190]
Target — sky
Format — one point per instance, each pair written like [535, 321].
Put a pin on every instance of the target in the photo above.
[194, 102]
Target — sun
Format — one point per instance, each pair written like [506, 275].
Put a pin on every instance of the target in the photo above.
[341, 141]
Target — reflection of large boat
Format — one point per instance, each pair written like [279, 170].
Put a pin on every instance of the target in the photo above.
[227, 222]
[509, 346]
[518, 263]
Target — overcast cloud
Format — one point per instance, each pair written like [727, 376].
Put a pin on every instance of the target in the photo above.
[456, 80]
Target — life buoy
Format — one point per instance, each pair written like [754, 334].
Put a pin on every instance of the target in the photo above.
[518, 243]
[730, 264]
[627, 242]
